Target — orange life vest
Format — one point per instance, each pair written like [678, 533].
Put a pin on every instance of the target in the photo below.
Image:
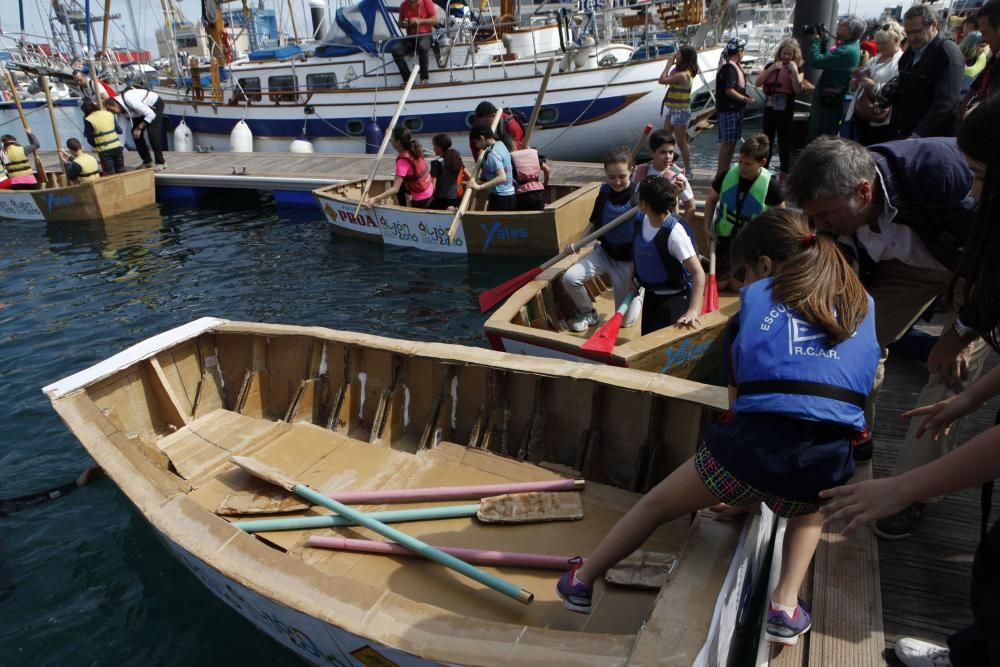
[420, 179]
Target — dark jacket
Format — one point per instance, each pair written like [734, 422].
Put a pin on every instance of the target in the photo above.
[925, 97]
[928, 183]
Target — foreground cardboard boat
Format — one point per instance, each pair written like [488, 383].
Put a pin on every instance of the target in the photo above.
[350, 411]
[533, 321]
[563, 220]
[99, 199]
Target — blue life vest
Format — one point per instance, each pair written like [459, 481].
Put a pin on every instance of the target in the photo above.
[784, 365]
[618, 242]
[655, 267]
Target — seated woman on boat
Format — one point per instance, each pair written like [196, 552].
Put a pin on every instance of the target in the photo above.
[413, 176]
[612, 255]
[666, 263]
[448, 173]
[795, 409]
[20, 175]
[417, 18]
[498, 172]
[79, 166]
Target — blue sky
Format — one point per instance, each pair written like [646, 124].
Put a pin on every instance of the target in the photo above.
[149, 19]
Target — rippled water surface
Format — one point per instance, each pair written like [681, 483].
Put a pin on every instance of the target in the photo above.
[83, 579]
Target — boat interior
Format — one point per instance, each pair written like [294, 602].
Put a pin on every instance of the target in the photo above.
[340, 412]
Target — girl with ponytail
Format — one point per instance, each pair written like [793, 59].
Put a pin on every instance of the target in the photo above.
[413, 175]
[800, 360]
[448, 173]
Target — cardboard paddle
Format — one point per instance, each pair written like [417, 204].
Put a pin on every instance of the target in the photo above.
[55, 131]
[711, 287]
[495, 295]
[388, 133]
[604, 339]
[467, 195]
[275, 476]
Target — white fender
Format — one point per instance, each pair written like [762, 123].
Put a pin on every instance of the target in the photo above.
[241, 138]
[302, 145]
[183, 139]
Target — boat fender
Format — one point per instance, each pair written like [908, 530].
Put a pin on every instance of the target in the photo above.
[241, 138]
[567, 61]
[373, 136]
[183, 139]
[582, 56]
[302, 145]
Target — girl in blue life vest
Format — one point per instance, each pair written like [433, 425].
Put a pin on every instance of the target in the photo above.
[613, 253]
[666, 263]
[802, 356]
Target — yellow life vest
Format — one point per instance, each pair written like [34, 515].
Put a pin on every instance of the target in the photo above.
[105, 137]
[91, 170]
[17, 161]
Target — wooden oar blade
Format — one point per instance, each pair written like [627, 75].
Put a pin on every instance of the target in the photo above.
[531, 507]
[496, 295]
[265, 472]
[643, 569]
[603, 341]
[711, 303]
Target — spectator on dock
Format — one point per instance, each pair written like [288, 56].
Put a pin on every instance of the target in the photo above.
[145, 111]
[781, 81]
[741, 194]
[871, 120]
[731, 100]
[837, 65]
[925, 96]
[978, 460]
[906, 210]
[413, 175]
[497, 170]
[510, 129]
[794, 411]
[448, 173]
[988, 81]
[417, 18]
[91, 87]
[101, 130]
[79, 166]
[678, 76]
[18, 163]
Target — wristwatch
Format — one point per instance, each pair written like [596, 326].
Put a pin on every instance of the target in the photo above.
[964, 331]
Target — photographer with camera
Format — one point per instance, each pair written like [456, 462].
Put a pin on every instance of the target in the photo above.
[837, 65]
[925, 96]
[871, 119]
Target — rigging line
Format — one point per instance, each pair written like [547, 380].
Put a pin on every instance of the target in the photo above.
[587, 108]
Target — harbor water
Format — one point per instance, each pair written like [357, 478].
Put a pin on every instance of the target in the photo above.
[83, 579]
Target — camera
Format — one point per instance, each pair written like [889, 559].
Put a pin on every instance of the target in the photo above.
[817, 29]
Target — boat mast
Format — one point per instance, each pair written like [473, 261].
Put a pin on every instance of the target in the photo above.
[135, 27]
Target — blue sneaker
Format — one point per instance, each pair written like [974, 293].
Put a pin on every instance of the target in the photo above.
[783, 629]
[575, 596]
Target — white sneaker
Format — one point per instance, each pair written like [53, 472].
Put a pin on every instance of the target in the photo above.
[583, 322]
[918, 653]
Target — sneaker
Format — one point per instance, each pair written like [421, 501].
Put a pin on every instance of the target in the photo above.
[783, 629]
[864, 450]
[902, 525]
[145, 165]
[576, 597]
[918, 653]
[583, 322]
[161, 167]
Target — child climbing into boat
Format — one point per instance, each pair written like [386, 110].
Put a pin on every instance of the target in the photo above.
[746, 190]
[661, 147]
[413, 176]
[79, 166]
[667, 266]
[448, 173]
[498, 171]
[679, 79]
[802, 356]
[612, 255]
[20, 175]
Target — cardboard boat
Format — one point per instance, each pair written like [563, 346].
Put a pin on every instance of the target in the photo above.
[534, 321]
[102, 198]
[346, 411]
[563, 220]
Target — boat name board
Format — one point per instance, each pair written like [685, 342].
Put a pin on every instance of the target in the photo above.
[21, 206]
[416, 228]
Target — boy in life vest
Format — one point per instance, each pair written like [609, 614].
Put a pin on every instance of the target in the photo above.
[666, 264]
[497, 170]
[16, 160]
[662, 145]
[413, 175]
[101, 129]
[510, 129]
[801, 357]
[737, 196]
[612, 254]
[79, 166]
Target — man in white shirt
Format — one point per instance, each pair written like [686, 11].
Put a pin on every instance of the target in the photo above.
[145, 109]
[907, 209]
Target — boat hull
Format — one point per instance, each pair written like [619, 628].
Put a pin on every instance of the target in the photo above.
[480, 232]
[103, 198]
